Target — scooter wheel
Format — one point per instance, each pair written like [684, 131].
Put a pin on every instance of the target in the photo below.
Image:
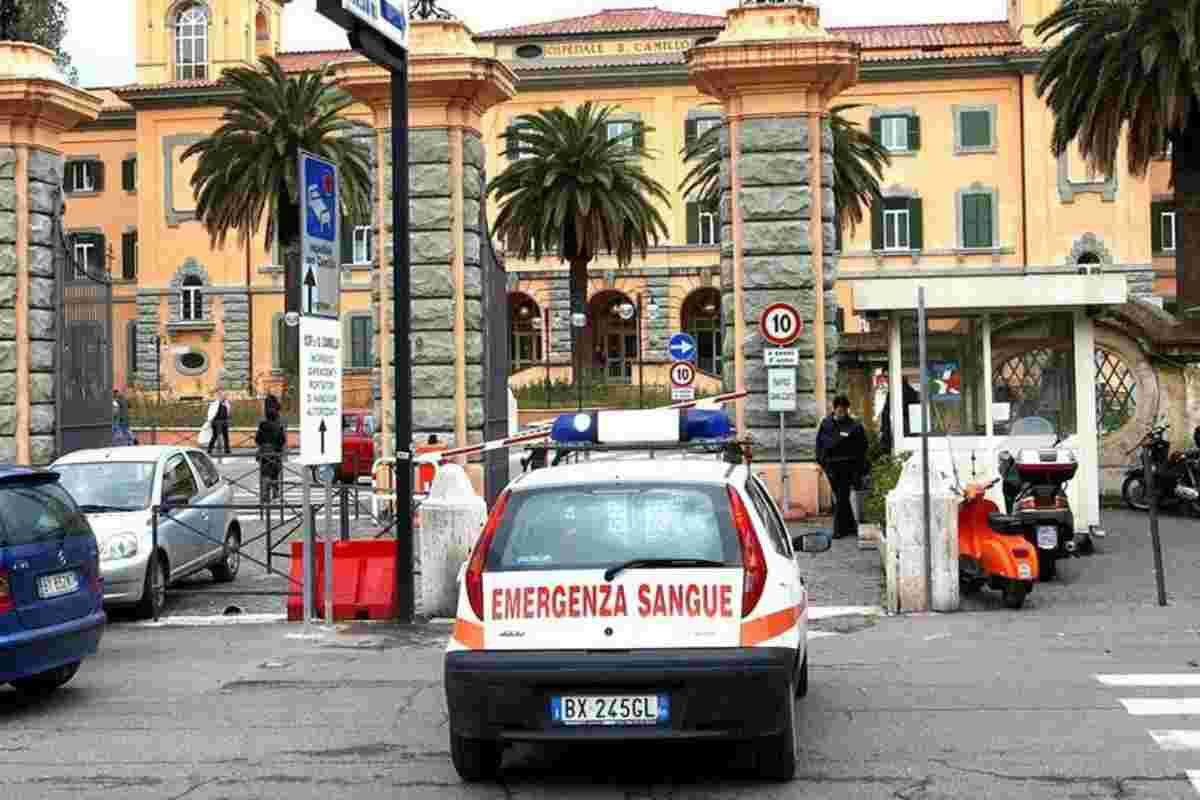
[970, 585]
[1047, 569]
[1015, 593]
[1133, 492]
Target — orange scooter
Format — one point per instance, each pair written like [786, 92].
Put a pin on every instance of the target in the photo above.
[992, 548]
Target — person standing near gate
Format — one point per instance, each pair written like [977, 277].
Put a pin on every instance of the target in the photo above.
[842, 454]
[218, 420]
[120, 426]
[271, 439]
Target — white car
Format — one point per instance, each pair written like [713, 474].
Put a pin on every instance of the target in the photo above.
[631, 597]
[117, 487]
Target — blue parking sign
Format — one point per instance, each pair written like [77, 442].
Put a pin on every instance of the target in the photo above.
[320, 273]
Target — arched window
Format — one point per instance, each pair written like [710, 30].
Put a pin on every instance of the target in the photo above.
[525, 327]
[1088, 258]
[1116, 392]
[702, 320]
[191, 44]
[191, 301]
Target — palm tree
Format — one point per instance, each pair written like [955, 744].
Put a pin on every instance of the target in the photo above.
[576, 191]
[1130, 69]
[247, 167]
[858, 164]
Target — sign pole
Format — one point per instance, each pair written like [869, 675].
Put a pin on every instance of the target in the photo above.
[783, 471]
[1152, 496]
[406, 590]
[328, 549]
[925, 509]
[309, 545]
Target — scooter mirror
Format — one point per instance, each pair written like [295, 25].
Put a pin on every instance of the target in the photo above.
[812, 542]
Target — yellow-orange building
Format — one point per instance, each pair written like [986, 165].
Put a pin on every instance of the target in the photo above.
[972, 186]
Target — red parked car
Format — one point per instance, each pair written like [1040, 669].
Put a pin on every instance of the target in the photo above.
[358, 445]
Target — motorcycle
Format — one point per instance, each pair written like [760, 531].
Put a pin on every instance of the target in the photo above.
[992, 548]
[1041, 507]
[1177, 475]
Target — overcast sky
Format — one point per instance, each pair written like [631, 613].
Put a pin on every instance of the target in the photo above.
[100, 38]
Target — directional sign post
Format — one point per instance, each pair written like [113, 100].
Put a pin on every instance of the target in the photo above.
[379, 30]
[683, 375]
[320, 391]
[780, 325]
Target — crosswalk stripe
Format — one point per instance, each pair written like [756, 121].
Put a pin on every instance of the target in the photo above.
[1150, 681]
[1177, 740]
[1161, 706]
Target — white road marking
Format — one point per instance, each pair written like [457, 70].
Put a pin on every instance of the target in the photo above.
[1161, 706]
[1156, 681]
[822, 634]
[211, 620]
[1177, 740]
[1194, 777]
[825, 612]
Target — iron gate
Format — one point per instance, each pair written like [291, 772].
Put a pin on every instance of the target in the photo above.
[495, 358]
[84, 357]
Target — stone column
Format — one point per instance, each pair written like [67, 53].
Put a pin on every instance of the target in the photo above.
[451, 85]
[36, 106]
[775, 69]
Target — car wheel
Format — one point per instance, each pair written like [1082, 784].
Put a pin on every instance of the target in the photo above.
[1015, 593]
[802, 677]
[475, 759]
[48, 681]
[231, 558]
[154, 589]
[777, 753]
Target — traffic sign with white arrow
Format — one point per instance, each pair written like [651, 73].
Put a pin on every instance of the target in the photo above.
[682, 347]
[320, 391]
[310, 288]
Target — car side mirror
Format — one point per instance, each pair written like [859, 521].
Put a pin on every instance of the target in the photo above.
[174, 499]
[817, 542]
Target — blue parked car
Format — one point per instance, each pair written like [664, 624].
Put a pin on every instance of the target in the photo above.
[51, 593]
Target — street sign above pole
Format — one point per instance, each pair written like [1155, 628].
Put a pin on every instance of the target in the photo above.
[682, 347]
[320, 270]
[389, 18]
[780, 324]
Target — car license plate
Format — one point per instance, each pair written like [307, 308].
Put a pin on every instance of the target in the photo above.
[642, 709]
[1047, 537]
[57, 585]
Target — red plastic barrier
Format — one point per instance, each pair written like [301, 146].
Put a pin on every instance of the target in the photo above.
[364, 580]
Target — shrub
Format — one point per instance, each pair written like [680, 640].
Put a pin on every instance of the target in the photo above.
[564, 394]
[885, 472]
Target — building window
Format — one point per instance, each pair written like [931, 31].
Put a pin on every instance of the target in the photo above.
[362, 346]
[897, 225]
[83, 177]
[513, 150]
[285, 343]
[525, 326]
[129, 174]
[977, 221]
[129, 252]
[87, 252]
[191, 300]
[695, 128]
[974, 129]
[703, 224]
[1167, 222]
[191, 362]
[362, 244]
[1116, 392]
[191, 44]
[895, 133]
[701, 318]
[899, 131]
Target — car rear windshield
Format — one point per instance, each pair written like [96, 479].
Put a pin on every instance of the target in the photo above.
[38, 512]
[601, 525]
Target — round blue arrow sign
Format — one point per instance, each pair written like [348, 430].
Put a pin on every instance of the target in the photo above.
[683, 347]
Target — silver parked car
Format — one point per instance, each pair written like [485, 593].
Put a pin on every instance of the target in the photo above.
[117, 488]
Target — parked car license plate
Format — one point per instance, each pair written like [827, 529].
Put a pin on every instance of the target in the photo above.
[58, 584]
[643, 709]
[1047, 537]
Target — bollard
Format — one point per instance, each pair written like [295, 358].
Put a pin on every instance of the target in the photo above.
[154, 549]
[344, 533]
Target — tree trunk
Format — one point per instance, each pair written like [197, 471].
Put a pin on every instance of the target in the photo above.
[578, 293]
[288, 232]
[1185, 171]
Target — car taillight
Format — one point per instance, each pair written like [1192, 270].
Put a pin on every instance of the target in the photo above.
[754, 563]
[1027, 504]
[474, 575]
[7, 603]
[1061, 503]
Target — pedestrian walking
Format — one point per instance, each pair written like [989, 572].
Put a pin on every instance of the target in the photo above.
[218, 421]
[842, 454]
[121, 434]
[271, 440]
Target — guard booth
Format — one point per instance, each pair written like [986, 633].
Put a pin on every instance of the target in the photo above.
[1011, 363]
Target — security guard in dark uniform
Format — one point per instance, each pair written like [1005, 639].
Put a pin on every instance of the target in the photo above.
[842, 454]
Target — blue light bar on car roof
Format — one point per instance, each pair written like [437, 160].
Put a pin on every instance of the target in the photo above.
[652, 426]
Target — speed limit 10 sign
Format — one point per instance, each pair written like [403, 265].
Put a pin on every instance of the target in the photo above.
[780, 324]
[682, 374]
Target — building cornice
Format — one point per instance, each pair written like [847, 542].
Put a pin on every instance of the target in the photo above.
[125, 119]
[153, 97]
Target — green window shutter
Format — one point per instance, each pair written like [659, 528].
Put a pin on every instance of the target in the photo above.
[1156, 238]
[877, 129]
[977, 220]
[639, 135]
[99, 167]
[277, 341]
[510, 143]
[693, 223]
[129, 255]
[129, 174]
[914, 132]
[69, 176]
[131, 346]
[975, 128]
[877, 223]
[916, 224]
[97, 254]
[347, 237]
[689, 133]
[837, 227]
[983, 207]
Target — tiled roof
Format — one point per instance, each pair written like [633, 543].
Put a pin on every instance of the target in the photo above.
[140, 88]
[956, 34]
[109, 100]
[612, 20]
[301, 60]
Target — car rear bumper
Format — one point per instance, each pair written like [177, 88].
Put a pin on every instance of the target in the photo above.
[735, 693]
[30, 652]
